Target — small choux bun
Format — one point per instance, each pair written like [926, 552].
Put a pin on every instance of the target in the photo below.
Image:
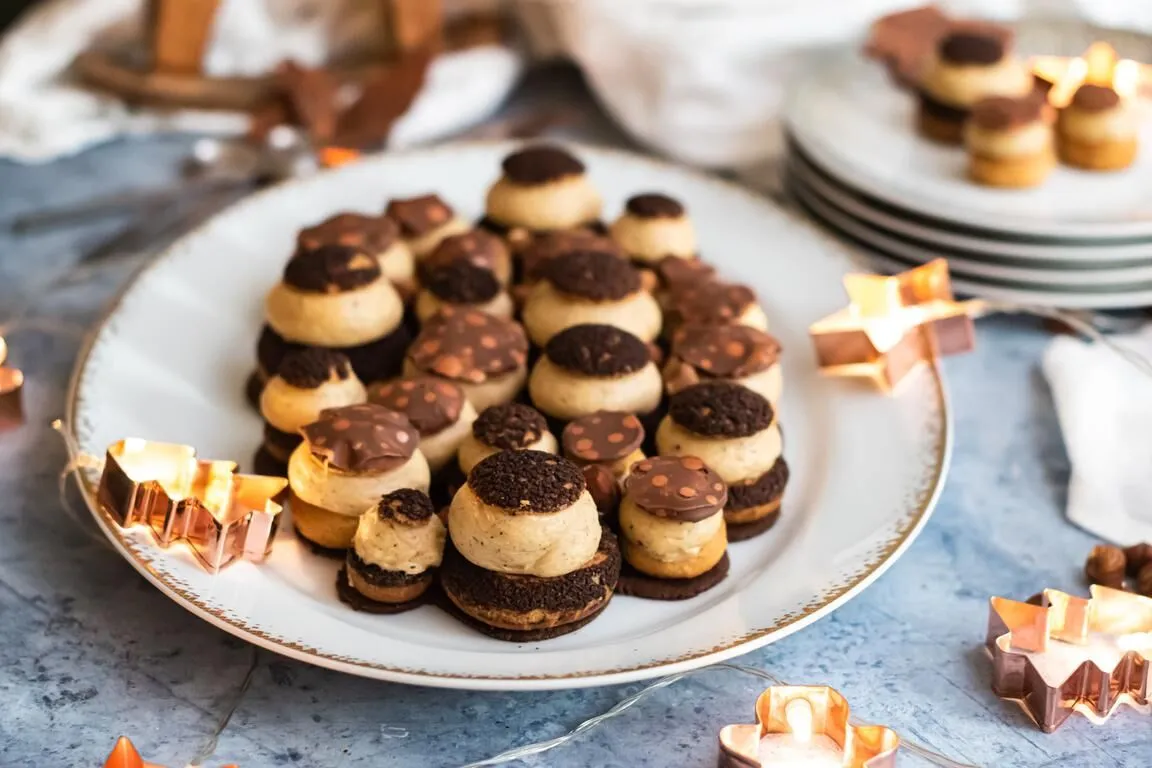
[438, 409]
[543, 188]
[308, 382]
[424, 222]
[654, 227]
[508, 427]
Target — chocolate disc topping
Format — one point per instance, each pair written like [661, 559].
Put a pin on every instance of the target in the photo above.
[544, 247]
[1095, 98]
[469, 345]
[431, 404]
[654, 206]
[480, 248]
[711, 303]
[725, 351]
[406, 506]
[1000, 113]
[527, 481]
[461, 282]
[676, 487]
[593, 275]
[720, 409]
[541, 164]
[418, 215]
[602, 436]
[597, 350]
[369, 233]
[677, 273]
[331, 268]
[311, 367]
[971, 48]
[362, 438]
[510, 427]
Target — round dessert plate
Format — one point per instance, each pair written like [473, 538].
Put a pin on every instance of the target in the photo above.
[170, 361]
[849, 118]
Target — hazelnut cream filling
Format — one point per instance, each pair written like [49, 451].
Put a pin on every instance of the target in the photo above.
[1033, 139]
[395, 546]
[563, 203]
[566, 395]
[345, 319]
[289, 408]
[964, 85]
[424, 244]
[472, 451]
[348, 493]
[652, 239]
[538, 544]
[1120, 123]
[549, 311]
[735, 459]
[667, 540]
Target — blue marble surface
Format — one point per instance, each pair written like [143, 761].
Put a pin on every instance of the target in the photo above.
[88, 650]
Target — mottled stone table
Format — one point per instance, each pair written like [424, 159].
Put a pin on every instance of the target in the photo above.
[89, 650]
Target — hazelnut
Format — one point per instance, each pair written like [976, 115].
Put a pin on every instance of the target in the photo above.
[1106, 566]
[1139, 555]
[1144, 580]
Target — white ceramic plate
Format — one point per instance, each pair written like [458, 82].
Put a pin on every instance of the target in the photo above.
[850, 119]
[1064, 255]
[1124, 280]
[170, 361]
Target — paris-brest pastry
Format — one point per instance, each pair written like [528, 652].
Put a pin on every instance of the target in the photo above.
[1098, 130]
[541, 188]
[528, 558]
[350, 457]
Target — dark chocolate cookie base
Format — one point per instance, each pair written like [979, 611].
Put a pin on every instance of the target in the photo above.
[319, 549]
[637, 584]
[380, 577]
[767, 488]
[518, 636]
[264, 463]
[358, 602]
[374, 361]
[745, 531]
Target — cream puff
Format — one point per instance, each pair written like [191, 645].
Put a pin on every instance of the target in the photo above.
[738, 353]
[395, 553]
[437, 409]
[528, 558]
[538, 253]
[605, 445]
[542, 188]
[307, 383]
[424, 221]
[675, 274]
[588, 368]
[590, 287]
[335, 297]
[350, 457]
[672, 531]
[378, 235]
[714, 303]
[1010, 141]
[486, 355]
[507, 427]
[462, 285]
[654, 227]
[1098, 130]
[734, 431]
[476, 246]
[969, 65]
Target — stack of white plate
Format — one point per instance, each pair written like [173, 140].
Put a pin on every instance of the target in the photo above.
[857, 165]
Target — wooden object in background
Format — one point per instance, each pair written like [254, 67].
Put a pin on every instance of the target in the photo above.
[180, 32]
[413, 24]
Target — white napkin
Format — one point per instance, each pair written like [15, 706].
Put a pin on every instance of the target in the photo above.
[1104, 404]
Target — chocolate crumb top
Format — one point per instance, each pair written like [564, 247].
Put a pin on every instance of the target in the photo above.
[1095, 98]
[725, 351]
[477, 247]
[462, 282]
[971, 48]
[331, 268]
[711, 303]
[361, 438]
[721, 409]
[418, 216]
[676, 487]
[653, 205]
[597, 350]
[510, 427]
[406, 506]
[468, 345]
[311, 367]
[430, 403]
[602, 436]
[677, 273]
[545, 247]
[540, 165]
[1000, 113]
[370, 233]
[527, 481]
[593, 275]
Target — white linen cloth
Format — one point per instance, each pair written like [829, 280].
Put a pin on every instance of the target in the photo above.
[1104, 404]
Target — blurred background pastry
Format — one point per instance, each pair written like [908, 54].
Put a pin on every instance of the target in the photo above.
[424, 222]
[461, 284]
[378, 235]
[1009, 141]
[541, 188]
[652, 227]
[1098, 130]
